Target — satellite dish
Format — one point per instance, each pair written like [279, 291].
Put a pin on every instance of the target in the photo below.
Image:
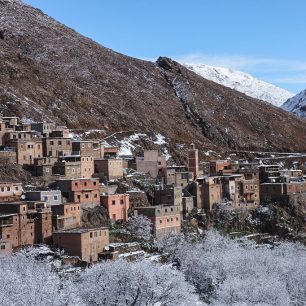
[23, 197]
[106, 248]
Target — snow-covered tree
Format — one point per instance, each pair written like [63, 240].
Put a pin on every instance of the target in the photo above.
[226, 271]
[139, 228]
[141, 283]
[25, 281]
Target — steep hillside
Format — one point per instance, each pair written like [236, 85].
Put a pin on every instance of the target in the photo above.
[296, 104]
[49, 71]
[242, 82]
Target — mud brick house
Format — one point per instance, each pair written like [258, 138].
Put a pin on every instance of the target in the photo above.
[56, 146]
[220, 167]
[117, 206]
[168, 194]
[44, 128]
[275, 191]
[111, 169]
[110, 152]
[207, 191]
[66, 216]
[193, 160]
[170, 173]
[82, 242]
[5, 248]
[83, 191]
[88, 148]
[50, 197]
[74, 166]
[269, 173]
[67, 169]
[43, 167]
[10, 191]
[25, 223]
[166, 219]
[27, 144]
[8, 155]
[151, 163]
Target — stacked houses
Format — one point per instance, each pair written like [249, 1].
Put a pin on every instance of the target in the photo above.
[79, 175]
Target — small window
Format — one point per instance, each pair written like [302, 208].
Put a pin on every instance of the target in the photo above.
[51, 142]
[55, 198]
[3, 247]
[90, 235]
[160, 221]
[86, 196]
[8, 236]
[113, 202]
[59, 142]
[95, 183]
[121, 202]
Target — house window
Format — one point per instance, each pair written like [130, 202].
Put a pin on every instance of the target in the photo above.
[85, 183]
[90, 235]
[55, 198]
[8, 236]
[8, 189]
[168, 220]
[96, 195]
[113, 202]
[51, 143]
[59, 142]
[86, 196]
[160, 221]
[2, 247]
[95, 234]
[95, 183]
[121, 202]
[255, 186]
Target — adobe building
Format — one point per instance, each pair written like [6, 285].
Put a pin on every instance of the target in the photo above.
[207, 192]
[112, 169]
[28, 146]
[50, 197]
[25, 223]
[168, 194]
[117, 205]
[275, 191]
[269, 173]
[43, 167]
[5, 248]
[193, 160]
[166, 219]
[110, 152]
[8, 155]
[83, 191]
[10, 191]
[220, 167]
[74, 166]
[56, 146]
[170, 174]
[66, 169]
[82, 242]
[66, 216]
[151, 163]
[44, 128]
[88, 148]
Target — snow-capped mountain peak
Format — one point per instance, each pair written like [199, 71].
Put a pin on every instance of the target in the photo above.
[242, 82]
[296, 104]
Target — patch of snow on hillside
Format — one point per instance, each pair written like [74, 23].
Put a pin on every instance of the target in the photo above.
[242, 82]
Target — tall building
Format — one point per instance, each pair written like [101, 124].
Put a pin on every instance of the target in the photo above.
[193, 160]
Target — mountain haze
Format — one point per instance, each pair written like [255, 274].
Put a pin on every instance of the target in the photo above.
[48, 71]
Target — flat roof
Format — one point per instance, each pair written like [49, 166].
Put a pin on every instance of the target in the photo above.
[80, 230]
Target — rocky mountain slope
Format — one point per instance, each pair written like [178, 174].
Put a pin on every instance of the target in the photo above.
[242, 82]
[296, 104]
[49, 71]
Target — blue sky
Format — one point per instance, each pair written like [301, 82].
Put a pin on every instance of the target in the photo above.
[265, 38]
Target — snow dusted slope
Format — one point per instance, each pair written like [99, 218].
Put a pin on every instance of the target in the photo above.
[242, 82]
[296, 104]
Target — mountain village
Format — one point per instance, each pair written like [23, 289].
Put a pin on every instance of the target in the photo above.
[77, 176]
